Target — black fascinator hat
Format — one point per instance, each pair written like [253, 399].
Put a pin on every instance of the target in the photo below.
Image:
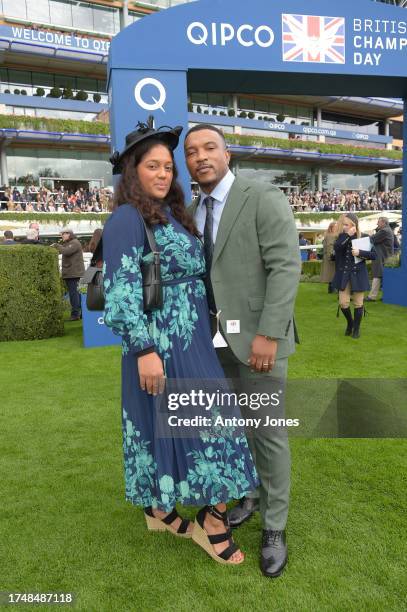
[165, 134]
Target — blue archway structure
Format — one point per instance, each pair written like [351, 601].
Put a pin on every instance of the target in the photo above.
[284, 47]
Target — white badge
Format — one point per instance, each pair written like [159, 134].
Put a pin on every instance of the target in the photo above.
[233, 326]
[218, 340]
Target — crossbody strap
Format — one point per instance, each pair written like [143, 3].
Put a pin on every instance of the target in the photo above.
[150, 236]
[98, 254]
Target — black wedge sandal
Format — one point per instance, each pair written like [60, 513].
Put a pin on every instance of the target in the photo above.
[156, 524]
[206, 541]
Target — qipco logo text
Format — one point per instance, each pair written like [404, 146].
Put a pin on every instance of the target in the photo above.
[222, 34]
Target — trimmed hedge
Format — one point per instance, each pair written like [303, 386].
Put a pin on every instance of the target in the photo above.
[98, 127]
[31, 305]
[311, 270]
[67, 217]
[394, 261]
[280, 143]
[323, 216]
[70, 126]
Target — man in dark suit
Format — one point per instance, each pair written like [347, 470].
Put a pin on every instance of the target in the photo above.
[3, 199]
[383, 241]
[31, 237]
[396, 243]
[8, 238]
[252, 255]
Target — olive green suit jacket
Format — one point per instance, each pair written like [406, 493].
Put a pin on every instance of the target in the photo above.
[256, 266]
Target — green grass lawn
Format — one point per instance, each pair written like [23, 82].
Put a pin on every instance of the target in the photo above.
[66, 526]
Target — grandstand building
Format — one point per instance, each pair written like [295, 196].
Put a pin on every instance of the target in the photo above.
[53, 105]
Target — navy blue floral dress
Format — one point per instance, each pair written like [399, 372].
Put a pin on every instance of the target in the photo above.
[212, 464]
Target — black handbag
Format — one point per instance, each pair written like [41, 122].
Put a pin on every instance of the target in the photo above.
[150, 272]
[93, 277]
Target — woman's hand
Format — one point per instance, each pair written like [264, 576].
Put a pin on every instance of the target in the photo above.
[355, 252]
[151, 372]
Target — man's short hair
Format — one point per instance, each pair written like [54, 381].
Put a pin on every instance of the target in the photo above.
[8, 235]
[384, 219]
[206, 126]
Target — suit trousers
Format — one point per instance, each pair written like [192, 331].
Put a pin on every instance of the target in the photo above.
[374, 291]
[270, 450]
[74, 297]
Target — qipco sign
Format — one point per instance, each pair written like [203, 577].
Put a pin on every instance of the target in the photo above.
[221, 34]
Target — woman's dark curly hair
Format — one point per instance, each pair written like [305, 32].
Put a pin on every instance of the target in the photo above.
[129, 190]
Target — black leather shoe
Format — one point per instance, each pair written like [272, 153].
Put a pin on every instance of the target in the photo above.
[274, 553]
[242, 511]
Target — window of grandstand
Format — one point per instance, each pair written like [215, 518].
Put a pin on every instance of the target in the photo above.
[163, 3]
[68, 13]
[303, 177]
[210, 101]
[30, 81]
[79, 164]
[337, 121]
[133, 16]
[396, 129]
[275, 110]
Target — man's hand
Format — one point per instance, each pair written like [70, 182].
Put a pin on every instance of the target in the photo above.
[263, 354]
[151, 372]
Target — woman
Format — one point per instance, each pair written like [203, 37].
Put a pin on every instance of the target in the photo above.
[351, 277]
[94, 241]
[173, 342]
[328, 263]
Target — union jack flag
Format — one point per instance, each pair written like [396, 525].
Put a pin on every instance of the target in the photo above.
[311, 38]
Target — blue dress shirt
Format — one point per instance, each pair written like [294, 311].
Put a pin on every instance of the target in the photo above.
[219, 194]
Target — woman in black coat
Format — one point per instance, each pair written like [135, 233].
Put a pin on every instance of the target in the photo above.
[351, 278]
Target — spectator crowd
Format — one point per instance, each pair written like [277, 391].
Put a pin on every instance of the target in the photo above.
[41, 199]
[354, 201]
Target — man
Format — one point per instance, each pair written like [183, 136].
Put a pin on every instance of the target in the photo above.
[72, 268]
[8, 238]
[251, 251]
[34, 225]
[31, 237]
[3, 199]
[383, 241]
[396, 243]
[303, 242]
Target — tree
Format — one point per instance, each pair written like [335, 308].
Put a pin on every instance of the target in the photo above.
[55, 92]
[67, 94]
[48, 172]
[82, 95]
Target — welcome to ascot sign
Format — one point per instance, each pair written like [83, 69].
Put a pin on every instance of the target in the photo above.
[285, 47]
[54, 39]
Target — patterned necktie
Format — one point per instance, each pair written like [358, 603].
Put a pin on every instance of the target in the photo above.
[208, 250]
